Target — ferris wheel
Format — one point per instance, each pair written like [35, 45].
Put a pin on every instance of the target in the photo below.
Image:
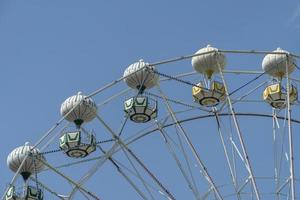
[173, 132]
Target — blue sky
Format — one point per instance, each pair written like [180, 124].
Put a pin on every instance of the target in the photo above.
[49, 50]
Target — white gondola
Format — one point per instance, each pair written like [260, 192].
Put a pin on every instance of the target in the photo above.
[278, 66]
[78, 109]
[33, 163]
[209, 92]
[140, 109]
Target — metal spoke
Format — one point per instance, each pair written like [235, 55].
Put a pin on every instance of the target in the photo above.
[238, 131]
[124, 175]
[173, 154]
[275, 151]
[233, 178]
[187, 160]
[68, 179]
[137, 173]
[93, 170]
[47, 188]
[118, 139]
[290, 134]
[123, 92]
[200, 162]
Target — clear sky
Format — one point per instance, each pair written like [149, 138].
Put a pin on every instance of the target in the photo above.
[49, 50]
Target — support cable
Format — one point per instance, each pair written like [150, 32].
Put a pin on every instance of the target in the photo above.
[178, 102]
[82, 145]
[224, 106]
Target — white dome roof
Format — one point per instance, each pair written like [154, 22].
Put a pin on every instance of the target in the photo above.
[275, 64]
[135, 79]
[16, 157]
[84, 112]
[208, 63]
